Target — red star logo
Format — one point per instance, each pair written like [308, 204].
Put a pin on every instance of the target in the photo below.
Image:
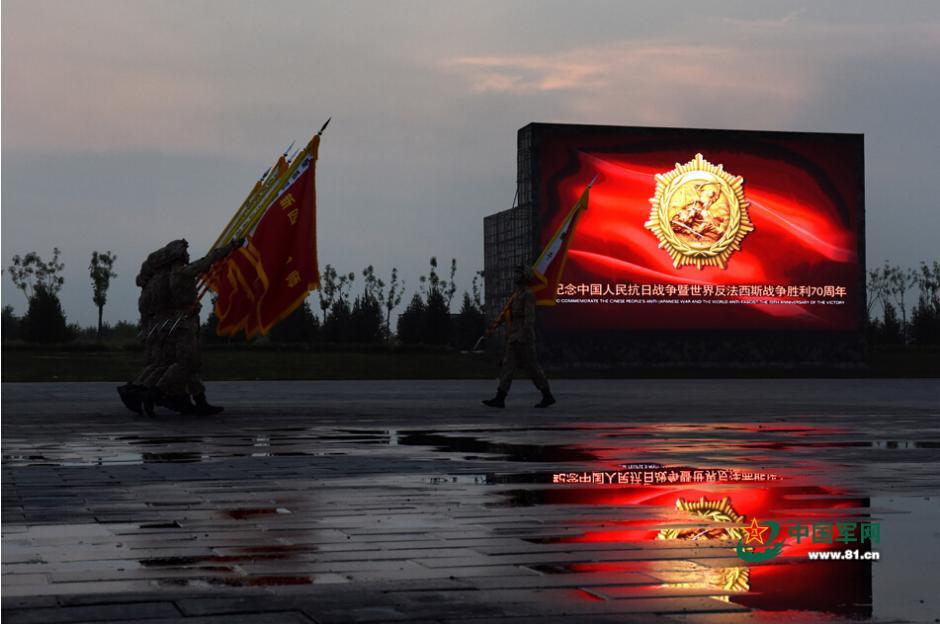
[755, 532]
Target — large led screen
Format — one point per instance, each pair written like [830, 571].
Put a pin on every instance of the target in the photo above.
[703, 229]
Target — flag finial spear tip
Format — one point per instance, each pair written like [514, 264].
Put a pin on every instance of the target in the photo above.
[324, 126]
[593, 180]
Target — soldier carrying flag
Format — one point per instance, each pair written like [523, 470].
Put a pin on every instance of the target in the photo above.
[262, 266]
[169, 317]
[519, 311]
[181, 380]
[520, 344]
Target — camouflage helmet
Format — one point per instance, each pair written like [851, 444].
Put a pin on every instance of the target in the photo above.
[523, 273]
[146, 273]
[168, 254]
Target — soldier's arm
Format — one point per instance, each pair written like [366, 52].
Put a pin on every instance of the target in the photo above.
[198, 267]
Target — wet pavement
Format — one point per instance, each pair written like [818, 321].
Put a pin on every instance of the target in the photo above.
[361, 501]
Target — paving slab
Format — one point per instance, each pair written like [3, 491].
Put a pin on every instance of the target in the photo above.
[378, 501]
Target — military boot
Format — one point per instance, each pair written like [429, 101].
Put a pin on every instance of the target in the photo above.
[132, 397]
[203, 408]
[178, 403]
[547, 399]
[497, 401]
[150, 398]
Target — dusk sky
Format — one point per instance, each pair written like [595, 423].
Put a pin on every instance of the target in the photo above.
[128, 123]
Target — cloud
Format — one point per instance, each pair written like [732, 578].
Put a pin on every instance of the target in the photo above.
[525, 73]
[764, 23]
[730, 71]
[648, 81]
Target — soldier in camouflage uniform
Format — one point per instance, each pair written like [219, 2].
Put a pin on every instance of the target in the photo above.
[169, 325]
[520, 343]
[153, 281]
[181, 380]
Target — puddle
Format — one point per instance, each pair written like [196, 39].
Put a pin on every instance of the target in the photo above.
[686, 537]
[654, 538]
[589, 443]
[242, 514]
[94, 450]
[245, 581]
[186, 562]
[505, 451]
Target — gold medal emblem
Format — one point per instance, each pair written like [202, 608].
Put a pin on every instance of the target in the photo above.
[718, 512]
[699, 213]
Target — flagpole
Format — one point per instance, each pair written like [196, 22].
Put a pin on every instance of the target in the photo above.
[254, 202]
[248, 200]
[570, 220]
[260, 207]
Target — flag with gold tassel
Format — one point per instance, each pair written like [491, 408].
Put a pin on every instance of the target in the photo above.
[550, 265]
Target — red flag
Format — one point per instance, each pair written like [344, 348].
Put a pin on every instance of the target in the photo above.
[550, 264]
[271, 276]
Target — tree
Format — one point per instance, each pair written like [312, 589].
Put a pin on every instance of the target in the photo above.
[477, 288]
[372, 285]
[328, 289]
[101, 271]
[337, 327]
[334, 301]
[208, 331]
[449, 288]
[300, 326]
[436, 324]
[366, 315]
[432, 281]
[409, 321]
[344, 285]
[41, 282]
[898, 282]
[876, 287]
[925, 320]
[366, 319]
[44, 321]
[470, 324]
[11, 324]
[891, 329]
[30, 273]
[392, 299]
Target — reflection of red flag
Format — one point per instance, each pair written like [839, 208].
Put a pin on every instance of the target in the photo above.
[267, 279]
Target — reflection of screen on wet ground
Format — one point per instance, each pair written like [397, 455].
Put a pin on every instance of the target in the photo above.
[704, 229]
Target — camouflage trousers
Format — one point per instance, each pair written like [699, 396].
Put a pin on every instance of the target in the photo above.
[182, 350]
[155, 358]
[521, 355]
